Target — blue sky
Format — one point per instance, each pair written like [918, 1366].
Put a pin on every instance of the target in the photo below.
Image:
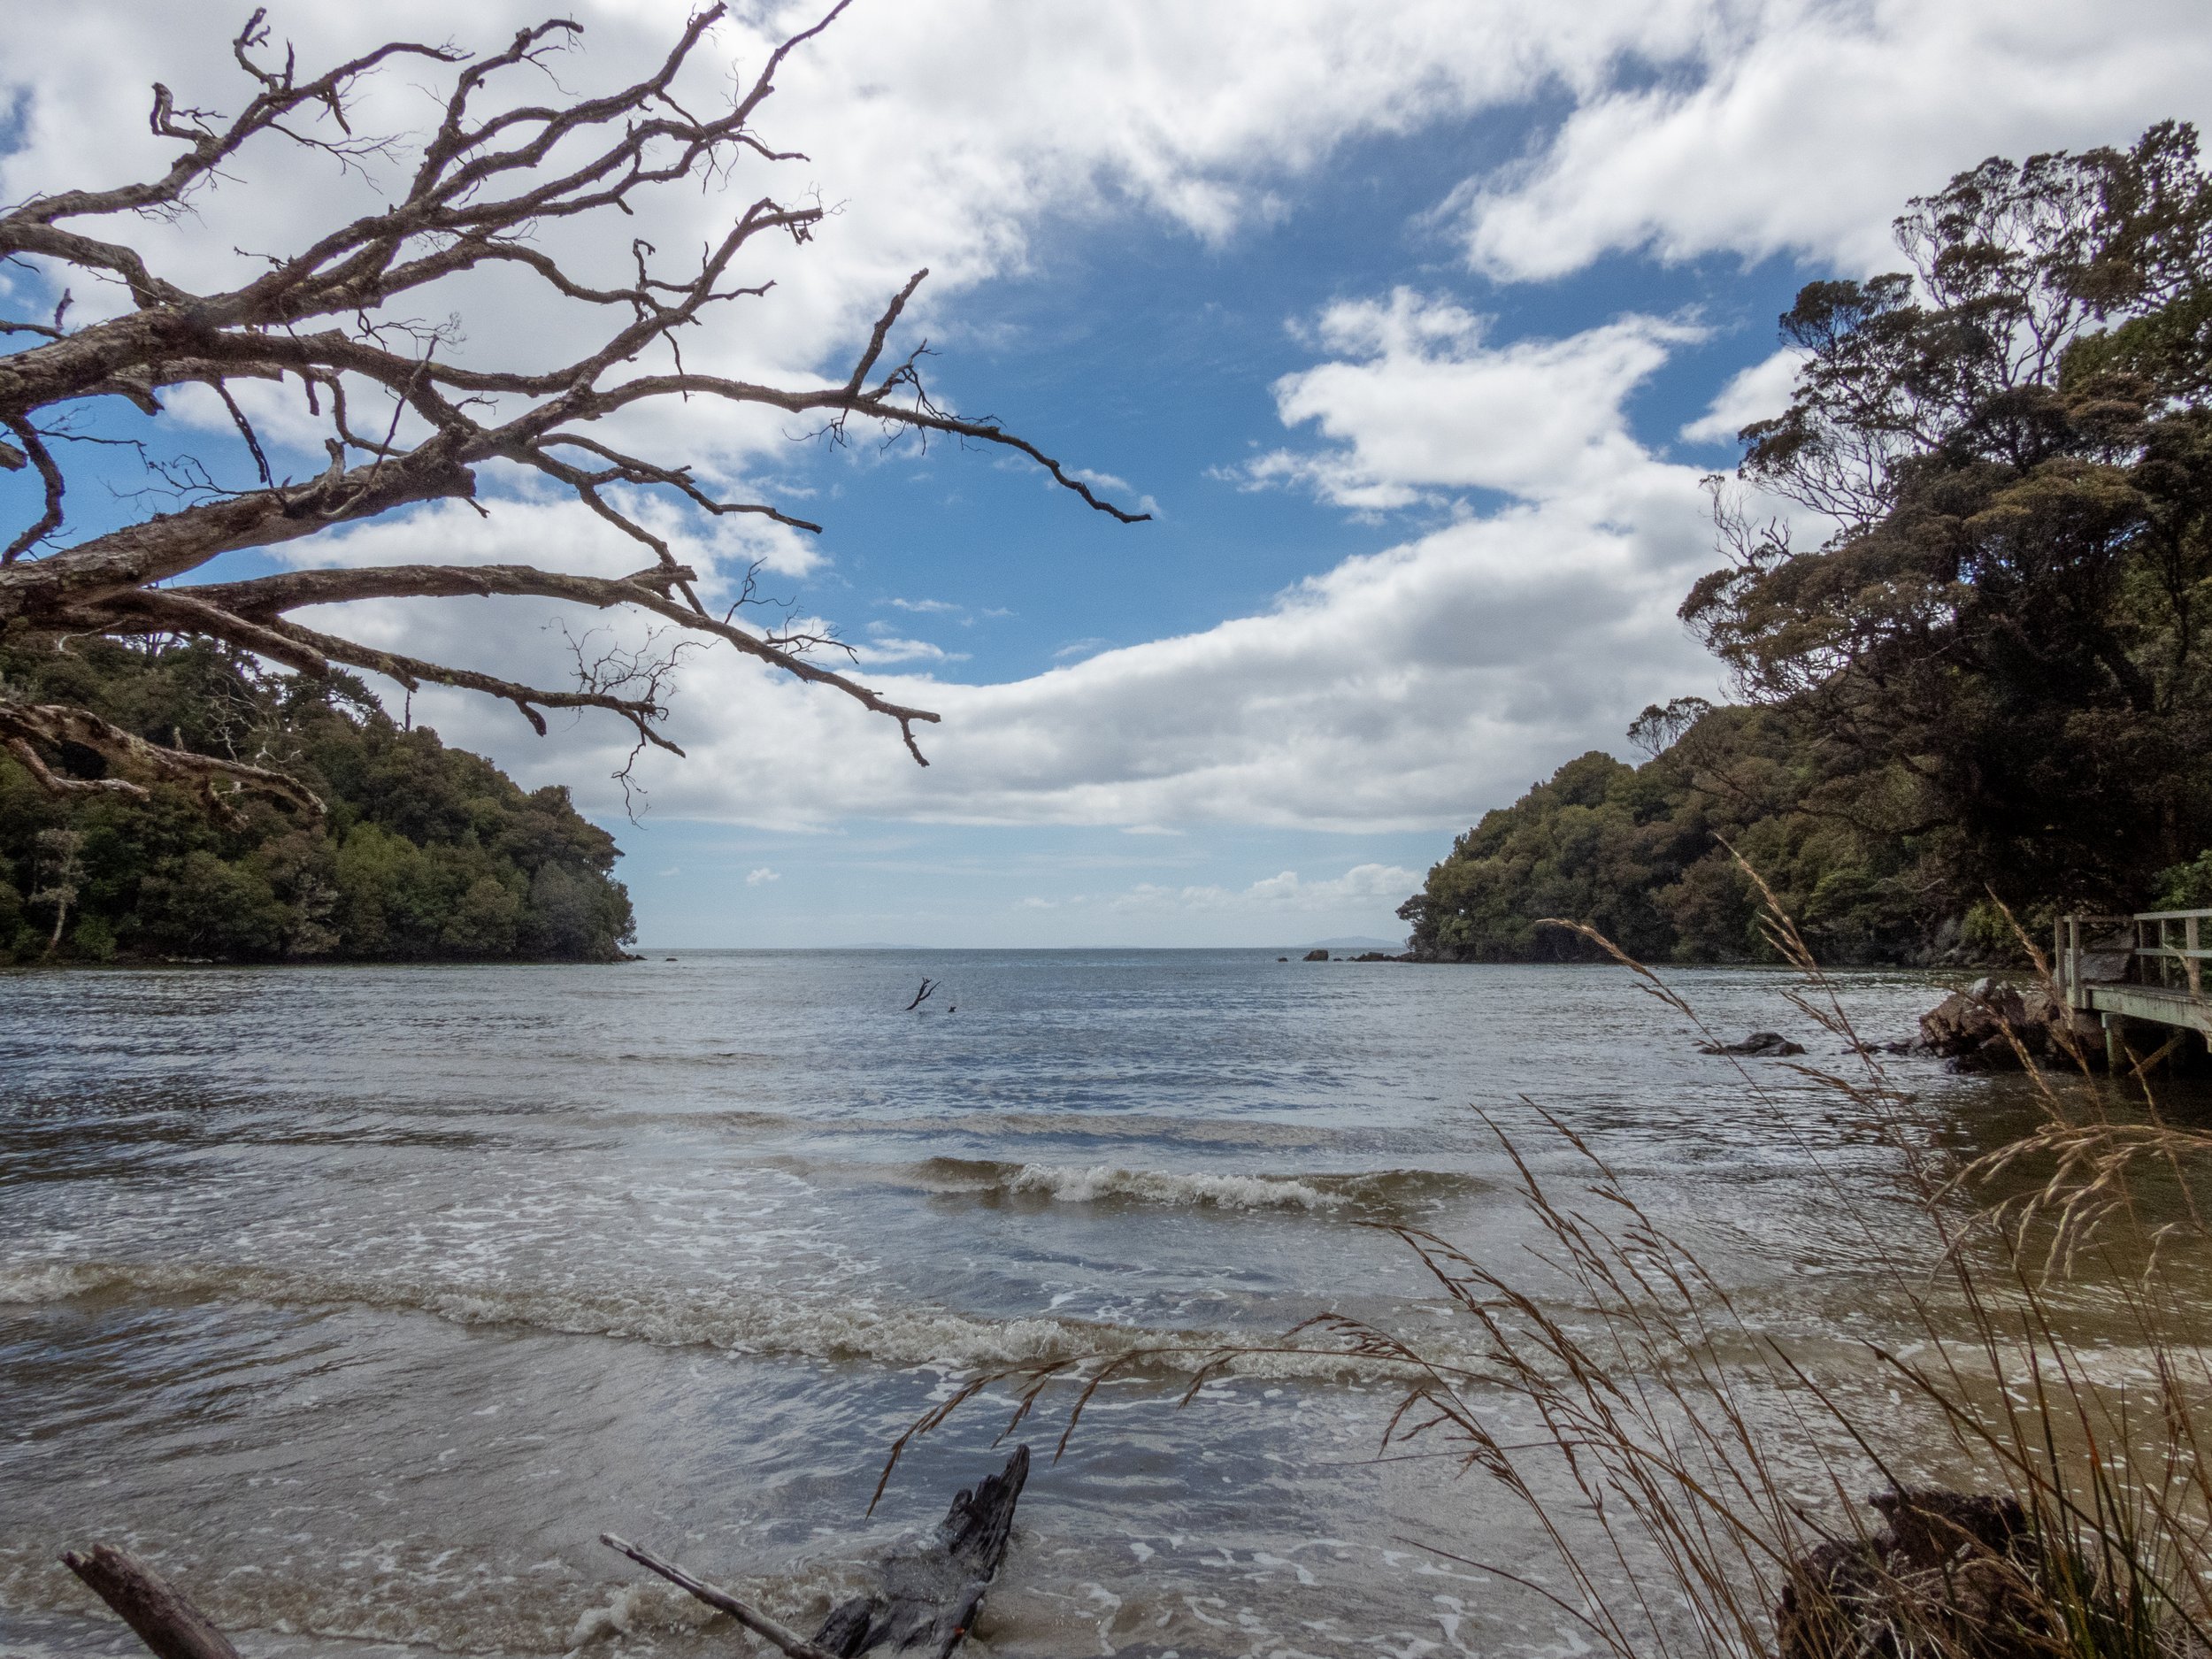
[1416, 327]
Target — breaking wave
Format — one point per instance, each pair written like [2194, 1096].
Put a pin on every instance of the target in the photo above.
[1101, 1183]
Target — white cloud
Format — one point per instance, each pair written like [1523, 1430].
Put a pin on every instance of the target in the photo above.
[760, 875]
[927, 607]
[883, 647]
[1407, 688]
[1758, 393]
[1799, 126]
[1425, 402]
[1410, 687]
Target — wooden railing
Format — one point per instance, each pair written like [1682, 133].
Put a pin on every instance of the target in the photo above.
[2162, 949]
[2170, 941]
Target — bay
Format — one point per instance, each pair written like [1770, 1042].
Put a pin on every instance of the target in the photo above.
[364, 1298]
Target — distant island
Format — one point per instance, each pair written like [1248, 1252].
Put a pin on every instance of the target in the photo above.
[424, 854]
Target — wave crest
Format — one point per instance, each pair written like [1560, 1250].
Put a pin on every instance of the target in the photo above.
[1101, 1183]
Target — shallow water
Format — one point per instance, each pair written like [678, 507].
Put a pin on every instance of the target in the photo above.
[364, 1300]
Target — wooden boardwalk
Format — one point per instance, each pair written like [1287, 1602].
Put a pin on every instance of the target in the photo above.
[2148, 967]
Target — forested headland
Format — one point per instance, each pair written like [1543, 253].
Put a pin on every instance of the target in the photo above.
[422, 853]
[1986, 684]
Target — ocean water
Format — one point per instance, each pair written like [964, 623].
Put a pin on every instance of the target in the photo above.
[363, 1300]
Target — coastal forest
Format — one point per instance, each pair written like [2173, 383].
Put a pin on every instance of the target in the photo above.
[422, 852]
[1985, 687]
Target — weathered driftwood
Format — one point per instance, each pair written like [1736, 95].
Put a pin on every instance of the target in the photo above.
[928, 1598]
[151, 1605]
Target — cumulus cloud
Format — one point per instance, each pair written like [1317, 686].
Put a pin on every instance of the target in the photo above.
[1422, 400]
[1408, 687]
[760, 875]
[883, 648]
[1758, 393]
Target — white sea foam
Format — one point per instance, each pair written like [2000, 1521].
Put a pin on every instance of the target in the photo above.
[1162, 1187]
[1104, 1183]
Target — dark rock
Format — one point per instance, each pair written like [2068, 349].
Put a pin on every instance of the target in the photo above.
[1768, 1045]
[1949, 1573]
[1991, 1024]
[1316, 956]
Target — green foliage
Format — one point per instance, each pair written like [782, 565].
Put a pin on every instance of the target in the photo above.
[1992, 676]
[1641, 853]
[2006, 632]
[427, 853]
[2185, 886]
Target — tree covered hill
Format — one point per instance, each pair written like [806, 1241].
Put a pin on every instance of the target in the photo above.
[1990, 680]
[1641, 853]
[425, 853]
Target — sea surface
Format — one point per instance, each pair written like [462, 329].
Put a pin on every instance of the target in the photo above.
[362, 1300]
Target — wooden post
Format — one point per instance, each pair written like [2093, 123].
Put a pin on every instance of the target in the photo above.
[2195, 969]
[2115, 1054]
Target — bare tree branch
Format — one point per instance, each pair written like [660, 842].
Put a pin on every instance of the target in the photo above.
[342, 315]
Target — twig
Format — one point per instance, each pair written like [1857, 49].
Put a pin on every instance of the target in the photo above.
[797, 1646]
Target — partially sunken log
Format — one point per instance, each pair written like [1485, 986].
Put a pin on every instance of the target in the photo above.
[151, 1605]
[928, 1599]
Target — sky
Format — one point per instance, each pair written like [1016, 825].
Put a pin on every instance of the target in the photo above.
[1414, 328]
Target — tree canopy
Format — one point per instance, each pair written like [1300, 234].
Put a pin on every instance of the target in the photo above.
[2001, 641]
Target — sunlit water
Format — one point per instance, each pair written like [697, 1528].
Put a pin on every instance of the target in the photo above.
[362, 1300]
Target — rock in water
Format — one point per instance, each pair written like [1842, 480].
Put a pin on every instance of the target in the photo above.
[1981, 1024]
[1950, 1572]
[1766, 1045]
[1316, 956]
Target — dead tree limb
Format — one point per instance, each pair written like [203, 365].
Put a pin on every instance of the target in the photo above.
[751, 1618]
[149, 1604]
[340, 317]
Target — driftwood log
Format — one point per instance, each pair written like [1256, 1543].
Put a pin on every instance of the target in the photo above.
[927, 1599]
[149, 1604]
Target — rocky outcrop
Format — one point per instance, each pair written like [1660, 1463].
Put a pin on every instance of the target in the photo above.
[1316, 955]
[1991, 1022]
[1949, 1572]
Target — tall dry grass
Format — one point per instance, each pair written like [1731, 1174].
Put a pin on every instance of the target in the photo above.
[1694, 1488]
